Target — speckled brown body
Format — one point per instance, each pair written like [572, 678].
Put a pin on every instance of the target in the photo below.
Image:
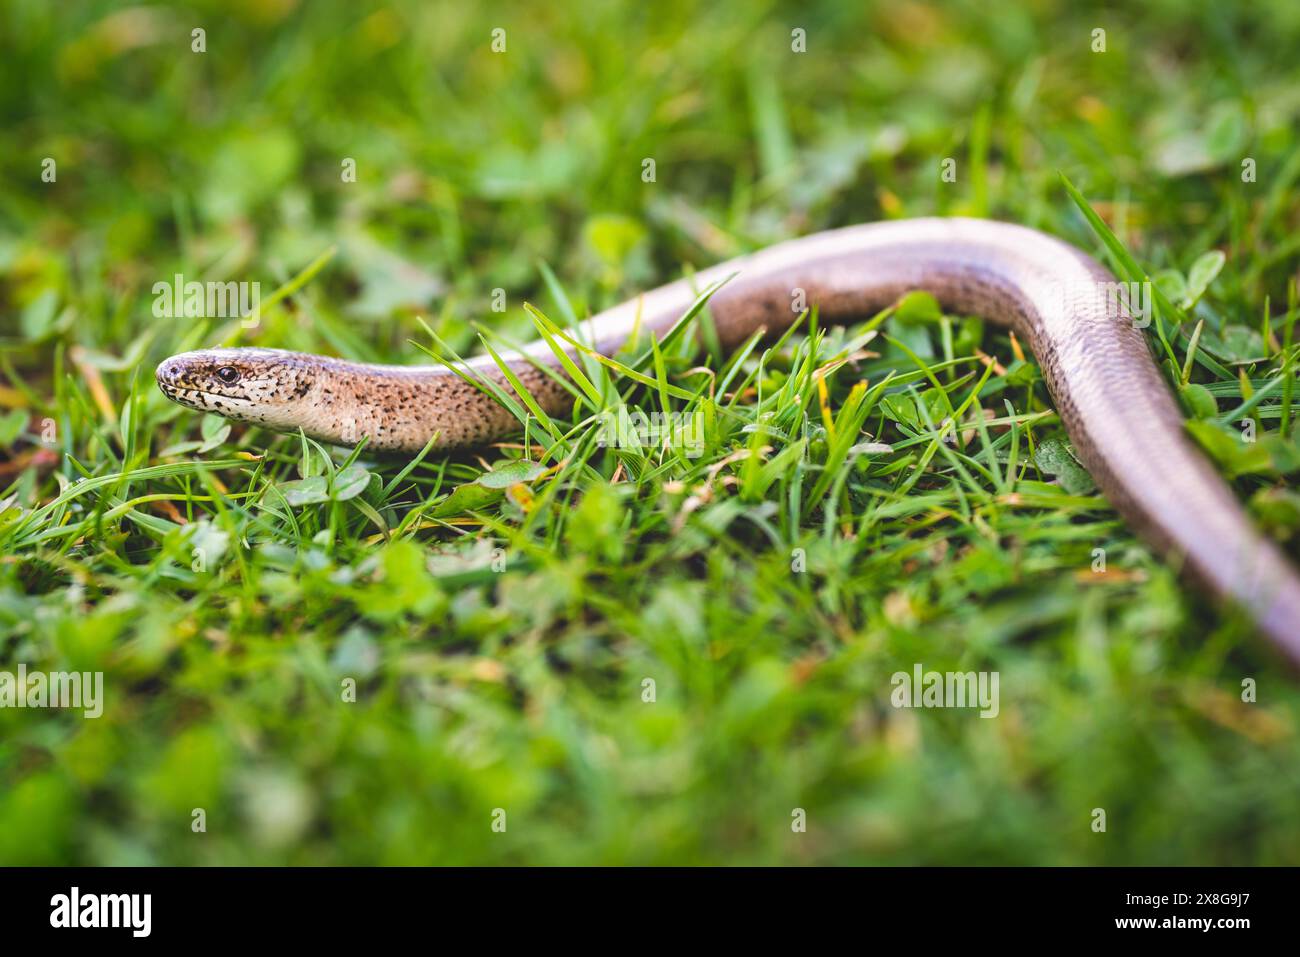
[1117, 410]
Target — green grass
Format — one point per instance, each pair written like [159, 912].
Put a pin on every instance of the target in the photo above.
[500, 612]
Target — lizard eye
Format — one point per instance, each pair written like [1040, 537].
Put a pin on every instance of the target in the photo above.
[227, 374]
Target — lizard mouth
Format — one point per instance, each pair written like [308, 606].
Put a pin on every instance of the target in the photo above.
[202, 399]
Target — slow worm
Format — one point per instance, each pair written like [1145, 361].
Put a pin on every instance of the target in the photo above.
[1117, 410]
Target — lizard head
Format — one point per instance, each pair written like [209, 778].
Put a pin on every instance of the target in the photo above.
[265, 386]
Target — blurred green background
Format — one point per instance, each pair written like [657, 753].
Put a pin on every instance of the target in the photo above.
[523, 691]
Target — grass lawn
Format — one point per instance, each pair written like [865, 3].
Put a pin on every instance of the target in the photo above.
[550, 651]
